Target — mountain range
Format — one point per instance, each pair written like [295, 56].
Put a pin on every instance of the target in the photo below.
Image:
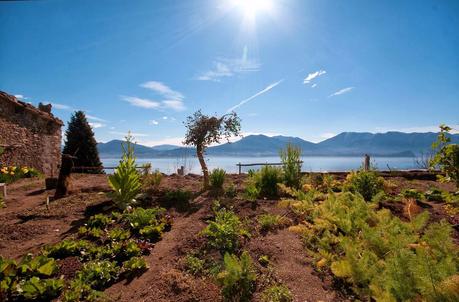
[344, 144]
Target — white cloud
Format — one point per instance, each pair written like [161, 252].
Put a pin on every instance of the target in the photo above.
[327, 135]
[165, 117]
[123, 134]
[176, 105]
[61, 107]
[271, 86]
[314, 85]
[164, 141]
[226, 67]
[21, 97]
[341, 91]
[96, 125]
[313, 75]
[143, 103]
[94, 118]
[163, 90]
[153, 122]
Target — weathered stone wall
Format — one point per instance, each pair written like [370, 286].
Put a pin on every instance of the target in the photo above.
[29, 136]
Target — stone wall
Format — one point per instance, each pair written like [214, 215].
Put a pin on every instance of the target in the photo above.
[30, 137]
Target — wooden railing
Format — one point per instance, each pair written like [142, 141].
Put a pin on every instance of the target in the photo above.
[239, 165]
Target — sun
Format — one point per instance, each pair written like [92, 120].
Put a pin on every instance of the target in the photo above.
[251, 8]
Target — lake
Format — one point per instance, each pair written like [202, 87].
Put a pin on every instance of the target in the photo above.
[310, 163]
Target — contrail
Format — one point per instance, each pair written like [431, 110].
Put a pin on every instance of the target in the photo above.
[271, 86]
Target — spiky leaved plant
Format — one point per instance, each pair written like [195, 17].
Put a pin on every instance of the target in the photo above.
[125, 182]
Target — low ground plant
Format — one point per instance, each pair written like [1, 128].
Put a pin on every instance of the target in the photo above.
[380, 256]
[270, 222]
[277, 293]
[180, 199]
[194, 265]
[9, 174]
[237, 278]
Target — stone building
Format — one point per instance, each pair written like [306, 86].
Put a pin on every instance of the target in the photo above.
[29, 136]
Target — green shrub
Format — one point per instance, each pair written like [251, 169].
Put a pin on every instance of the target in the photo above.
[447, 156]
[179, 199]
[125, 182]
[434, 194]
[40, 289]
[366, 183]
[277, 293]
[291, 160]
[251, 192]
[231, 191]
[238, 278]
[152, 180]
[269, 222]
[149, 223]
[217, 179]
[264, 182]
[412, 194]
[224, 232]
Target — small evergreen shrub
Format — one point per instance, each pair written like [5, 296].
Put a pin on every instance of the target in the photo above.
[291, 165]
[263, 183]
[366, 183]
[238, 278]
[217, 179]
[194, 265]
[125, 182]
[412, 194]
[277, 293]
[231, 191]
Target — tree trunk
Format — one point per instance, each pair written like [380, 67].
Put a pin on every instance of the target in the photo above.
[202, 162]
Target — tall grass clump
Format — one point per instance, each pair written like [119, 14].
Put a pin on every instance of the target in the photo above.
[263, 183]
[126, 181]
[217, 179]
[291, 165]
[366, 183]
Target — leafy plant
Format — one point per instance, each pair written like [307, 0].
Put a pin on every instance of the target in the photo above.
[291, 165]
[224, 232]
[149, 223]
[231, 191]
[412, 194]
[66, 248]
[251, 191]
[125, 182]
[217, 179]
[134, 266]
[98, 274]
[40, 289]
[238, 278]
[447, 156]
[277, 293]
[80, 291]
[434, 194]
[366, 183]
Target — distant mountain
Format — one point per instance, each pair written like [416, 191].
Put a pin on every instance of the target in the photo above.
[343, 144]
[165, 147]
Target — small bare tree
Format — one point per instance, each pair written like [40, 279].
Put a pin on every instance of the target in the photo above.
[203, 130]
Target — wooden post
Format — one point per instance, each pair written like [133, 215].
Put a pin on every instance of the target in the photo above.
[366, 163]
[4, 189]
[63, 182]
[181, 171]
[240, 166]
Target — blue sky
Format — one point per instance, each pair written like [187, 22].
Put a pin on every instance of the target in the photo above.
[294, 67]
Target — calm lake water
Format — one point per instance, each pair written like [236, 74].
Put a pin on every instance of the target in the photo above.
[312, 163]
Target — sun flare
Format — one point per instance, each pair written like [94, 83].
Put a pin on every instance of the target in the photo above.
[251, 8]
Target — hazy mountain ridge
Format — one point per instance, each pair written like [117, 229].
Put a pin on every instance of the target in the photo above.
[343, 144]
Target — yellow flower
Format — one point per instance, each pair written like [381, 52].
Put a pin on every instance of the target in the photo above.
[12, 173]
